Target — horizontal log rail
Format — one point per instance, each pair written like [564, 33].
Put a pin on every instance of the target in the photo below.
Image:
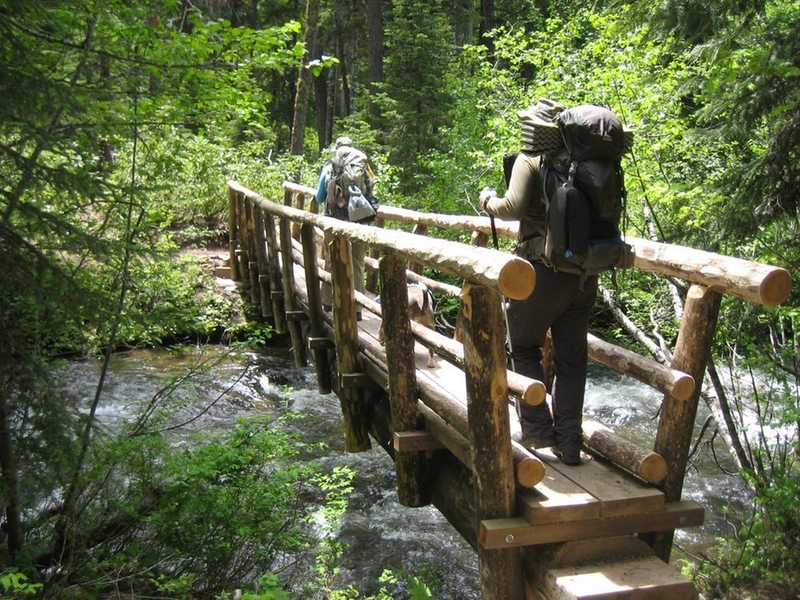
[510, 275]
[660, 377]
[755, 282]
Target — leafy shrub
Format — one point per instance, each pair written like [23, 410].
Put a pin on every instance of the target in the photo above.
[210, 515]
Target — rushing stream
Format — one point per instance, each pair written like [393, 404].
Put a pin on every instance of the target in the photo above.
[379, 533]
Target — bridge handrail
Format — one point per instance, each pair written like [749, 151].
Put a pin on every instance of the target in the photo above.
[510, 275]
[755, 282]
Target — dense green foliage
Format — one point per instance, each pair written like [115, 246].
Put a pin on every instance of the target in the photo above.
[121, 121]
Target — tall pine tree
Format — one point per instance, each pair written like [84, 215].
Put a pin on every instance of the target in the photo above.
[415, 98]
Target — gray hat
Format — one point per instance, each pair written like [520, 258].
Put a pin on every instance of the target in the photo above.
[343, 141]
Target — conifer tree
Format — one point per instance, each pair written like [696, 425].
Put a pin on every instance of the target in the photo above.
[415, 97]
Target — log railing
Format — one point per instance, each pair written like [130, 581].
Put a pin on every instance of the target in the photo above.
[480, 438]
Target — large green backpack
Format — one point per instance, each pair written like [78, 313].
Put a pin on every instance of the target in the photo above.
[584, 193]
[349, 191]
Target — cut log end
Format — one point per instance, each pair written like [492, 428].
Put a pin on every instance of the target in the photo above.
[535, 394]
[517, 279]
[683, 387]
[775, 287]
[529, 472]
[653, 468]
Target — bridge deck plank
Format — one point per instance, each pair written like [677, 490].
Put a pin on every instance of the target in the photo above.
[618, 493]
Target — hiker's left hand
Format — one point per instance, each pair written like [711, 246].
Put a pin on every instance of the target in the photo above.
[486, 194]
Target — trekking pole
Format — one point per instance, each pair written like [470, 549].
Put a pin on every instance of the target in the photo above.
[503, 300]
[494, 233]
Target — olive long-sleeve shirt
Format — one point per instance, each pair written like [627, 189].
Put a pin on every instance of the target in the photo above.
[523, 198]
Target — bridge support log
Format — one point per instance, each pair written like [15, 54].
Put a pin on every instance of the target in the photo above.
[274, 272]
[242, 256]
[675, 427]
[289, 305]
[402, 377]
[370, 261]
[419, 229]
[262, 262]
[354, 413]
[490, 437]
[233, 233]
[252, 265]
[316, 322]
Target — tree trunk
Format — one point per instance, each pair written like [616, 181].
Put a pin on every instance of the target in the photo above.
[375, 54]
[8, 468]
[340, 24]
[463, 11]
[487, 24]
[303, 77]
[321, 102]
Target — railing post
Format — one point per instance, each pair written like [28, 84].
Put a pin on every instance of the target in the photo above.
[400, 359]
[289, 304]
[478, 239]
[316, 324]
[354, 417]
[233, 233]
[252, 252]
[299, 203]
[676, 424]
[262, 263]
[419, 229]
[241, 252]
[490, 435]
[372, 274]
[276, 294]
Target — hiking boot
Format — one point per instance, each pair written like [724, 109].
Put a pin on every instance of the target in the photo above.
[569, 456]
[536, 436]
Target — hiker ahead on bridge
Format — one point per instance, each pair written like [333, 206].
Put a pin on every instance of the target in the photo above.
[566, 190]
[346, 189]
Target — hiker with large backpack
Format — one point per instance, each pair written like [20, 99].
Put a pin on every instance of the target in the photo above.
[565, 187]
[345, 189]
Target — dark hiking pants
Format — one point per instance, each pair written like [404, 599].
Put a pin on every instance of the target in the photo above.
[557, 303]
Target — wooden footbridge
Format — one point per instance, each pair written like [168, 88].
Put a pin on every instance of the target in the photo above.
[541, 529]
